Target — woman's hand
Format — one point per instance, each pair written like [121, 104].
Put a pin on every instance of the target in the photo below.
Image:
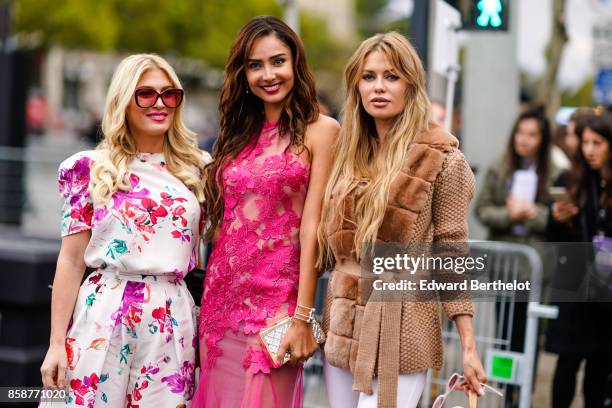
[563, 211]
[53, 369]
[473, 371]
[299, 341]
[521, 210]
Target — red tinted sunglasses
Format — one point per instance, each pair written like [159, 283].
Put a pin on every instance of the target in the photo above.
[147, 97]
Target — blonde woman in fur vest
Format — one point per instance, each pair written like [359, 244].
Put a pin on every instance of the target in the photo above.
[397, 177]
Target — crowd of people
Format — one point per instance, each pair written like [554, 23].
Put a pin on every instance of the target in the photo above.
[547, 190]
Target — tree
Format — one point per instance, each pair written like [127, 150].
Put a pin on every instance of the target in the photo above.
[369, 16]
[583, 96]
[547, 90]
[71, 24]
[193, 28]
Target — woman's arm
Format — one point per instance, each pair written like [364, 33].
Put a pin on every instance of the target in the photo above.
[68, 275]
[320, 137]
[453, 191]
[538, 223]
[472, 367]
[487, 211]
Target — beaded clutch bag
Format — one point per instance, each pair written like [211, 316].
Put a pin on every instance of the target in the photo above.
[271, 337]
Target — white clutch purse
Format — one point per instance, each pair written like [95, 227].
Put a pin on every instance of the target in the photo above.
[271, 338]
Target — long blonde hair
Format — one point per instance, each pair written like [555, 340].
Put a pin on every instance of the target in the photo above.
[111, 172]
[357, 153]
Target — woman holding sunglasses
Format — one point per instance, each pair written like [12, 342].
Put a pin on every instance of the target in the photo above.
[132, 212]
[263, 197]
[396, 178]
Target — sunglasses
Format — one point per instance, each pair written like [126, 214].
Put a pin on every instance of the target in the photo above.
[147, 97]
[454, 380]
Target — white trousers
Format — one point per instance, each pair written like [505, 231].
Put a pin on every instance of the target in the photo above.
[340, 394]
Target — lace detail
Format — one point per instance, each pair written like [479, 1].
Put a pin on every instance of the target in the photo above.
[254, 266]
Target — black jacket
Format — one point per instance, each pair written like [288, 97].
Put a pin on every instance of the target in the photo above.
[583, 327]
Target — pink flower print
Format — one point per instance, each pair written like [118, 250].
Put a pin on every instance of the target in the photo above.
[100, 214]
[94, 278]
[182, 381]
[130, 310]
[168, 200]
[179, 274]
[136, 393]
[164, 320]
[82, 213]
[99, 344]
[182, 234]
[153, 209]
[159, 314]
[120, 196]
[148, 371]
[130, 404]
[73, 182]
[177, 213]
[193, 262]
[84, 389]
[73, 352]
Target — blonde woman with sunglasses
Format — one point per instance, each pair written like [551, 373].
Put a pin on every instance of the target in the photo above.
[132, 212]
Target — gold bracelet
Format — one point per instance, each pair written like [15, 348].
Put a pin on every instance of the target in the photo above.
[302, 317]
[304, 307]
[309, 318]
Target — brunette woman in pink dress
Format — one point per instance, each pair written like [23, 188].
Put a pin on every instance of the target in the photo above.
[264, 191]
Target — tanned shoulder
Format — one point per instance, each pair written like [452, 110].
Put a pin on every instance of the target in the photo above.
[322, 132]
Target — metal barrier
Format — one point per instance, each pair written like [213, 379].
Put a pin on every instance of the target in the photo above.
[314, 388]
[493, 326]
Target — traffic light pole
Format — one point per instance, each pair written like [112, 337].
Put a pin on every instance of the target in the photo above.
[419, 30]
[451, 81]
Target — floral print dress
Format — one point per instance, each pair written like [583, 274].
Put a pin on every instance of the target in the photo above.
[132, 339]
[252, 277]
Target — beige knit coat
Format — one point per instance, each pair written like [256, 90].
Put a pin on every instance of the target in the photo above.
[428, 201]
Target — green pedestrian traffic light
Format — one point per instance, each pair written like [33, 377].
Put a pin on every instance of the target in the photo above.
[483, 15]
[490, 13]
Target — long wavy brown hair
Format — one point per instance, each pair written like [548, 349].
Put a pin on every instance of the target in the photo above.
[599, 122]
[513, 160]
[242, 113]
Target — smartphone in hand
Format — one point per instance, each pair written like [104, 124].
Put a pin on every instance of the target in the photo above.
[559, 194]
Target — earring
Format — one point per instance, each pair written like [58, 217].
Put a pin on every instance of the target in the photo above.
[247, 89]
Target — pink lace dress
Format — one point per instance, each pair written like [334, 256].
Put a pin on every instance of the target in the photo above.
[252, 277]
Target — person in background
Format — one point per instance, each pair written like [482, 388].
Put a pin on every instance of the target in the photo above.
[514, 200]
[583, 330]
[571, 141]
[438, 113]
